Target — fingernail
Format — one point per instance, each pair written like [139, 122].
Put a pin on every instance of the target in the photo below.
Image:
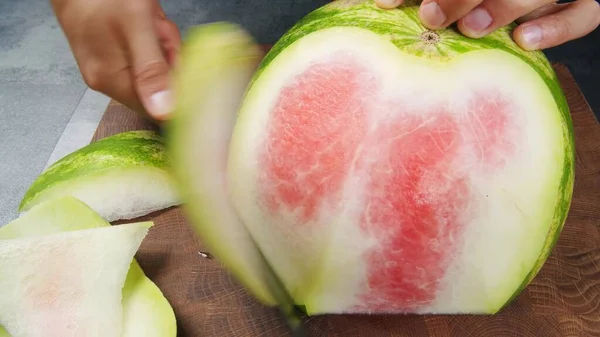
[477, 20]
[161, 103]
[388, 4]
[532, 35]
[432, 14]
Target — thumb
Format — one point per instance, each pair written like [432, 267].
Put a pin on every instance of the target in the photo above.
[150, 70]
[388, 4]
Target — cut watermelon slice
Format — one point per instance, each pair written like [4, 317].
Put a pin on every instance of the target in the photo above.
[68, 283]
[146, 312]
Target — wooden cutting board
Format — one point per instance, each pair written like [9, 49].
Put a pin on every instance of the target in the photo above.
[563, 300]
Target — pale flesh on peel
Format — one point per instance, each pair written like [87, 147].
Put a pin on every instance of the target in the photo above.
[119, 193]
[146, 312]
[216, 64]
[67, 284]
[375, 181]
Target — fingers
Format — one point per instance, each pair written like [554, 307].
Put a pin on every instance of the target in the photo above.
[542, 11]
[170, 39]
[551, 24]
[150, 70]
[122, 90]
[575, 20]
[437, 14]
[169, 35]
[493, 14]
[388, 4]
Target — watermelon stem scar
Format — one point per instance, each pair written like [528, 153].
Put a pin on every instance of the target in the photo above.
[430, 37]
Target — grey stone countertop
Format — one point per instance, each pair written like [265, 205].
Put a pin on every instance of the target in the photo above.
[47, 111]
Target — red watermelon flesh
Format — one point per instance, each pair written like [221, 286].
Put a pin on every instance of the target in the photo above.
[332, 133]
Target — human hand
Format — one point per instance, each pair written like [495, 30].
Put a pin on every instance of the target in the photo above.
[542, 23]
[124, 49]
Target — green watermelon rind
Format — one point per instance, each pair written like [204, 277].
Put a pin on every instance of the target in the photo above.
[142, 150]
[204, 57]
[360, 14]
[216, 62]
[71, 214]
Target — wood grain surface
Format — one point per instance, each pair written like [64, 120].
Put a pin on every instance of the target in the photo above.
[563, 300]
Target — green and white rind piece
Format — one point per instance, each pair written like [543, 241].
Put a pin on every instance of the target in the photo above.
[146, 312]
[123, 176]
[395, 41]
[216, 63]
[215, 66]
[67, 283]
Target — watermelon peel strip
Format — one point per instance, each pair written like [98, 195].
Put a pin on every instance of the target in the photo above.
[216, 64]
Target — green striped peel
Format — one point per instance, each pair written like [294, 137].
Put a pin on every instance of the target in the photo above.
[109, 175]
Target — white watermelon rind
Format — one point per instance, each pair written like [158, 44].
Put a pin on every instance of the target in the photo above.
[146, 310]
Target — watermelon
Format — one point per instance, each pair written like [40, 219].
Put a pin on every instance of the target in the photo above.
[380, 167]
[121, 177]
[145, 310]
[66, 283]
